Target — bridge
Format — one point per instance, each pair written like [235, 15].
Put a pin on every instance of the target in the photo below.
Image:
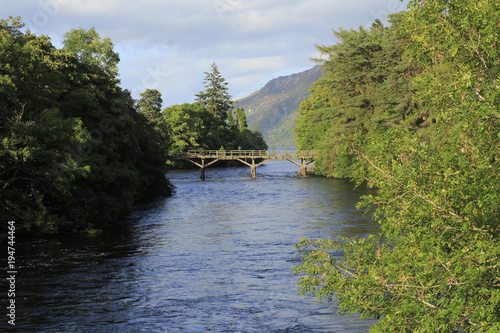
[251, 158]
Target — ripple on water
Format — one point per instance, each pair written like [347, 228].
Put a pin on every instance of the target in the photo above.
[215, 257]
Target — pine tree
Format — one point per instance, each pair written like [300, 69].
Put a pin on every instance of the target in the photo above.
[215, 97]
[241, 119]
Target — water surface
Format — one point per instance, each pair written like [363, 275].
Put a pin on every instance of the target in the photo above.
[216, 257]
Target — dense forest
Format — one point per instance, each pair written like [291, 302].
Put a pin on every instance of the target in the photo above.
[76, 150]
[413, 110]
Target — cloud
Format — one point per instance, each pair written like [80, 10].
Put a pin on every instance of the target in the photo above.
[168, 44]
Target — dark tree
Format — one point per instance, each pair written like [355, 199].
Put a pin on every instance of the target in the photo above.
[150, 103]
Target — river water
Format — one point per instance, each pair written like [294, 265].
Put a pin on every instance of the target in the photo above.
[215, 257]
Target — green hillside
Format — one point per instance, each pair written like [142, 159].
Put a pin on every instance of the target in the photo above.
[273, 108]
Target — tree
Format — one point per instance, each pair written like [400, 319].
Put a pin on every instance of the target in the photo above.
[434, 265]
[150, 103]
[186, 126]
[210, 123]
[36, 170]
[241, 119]
[74, 153]
[191, 126]
[364, 90]
[231, 121]
[88, 47]
[215, 98]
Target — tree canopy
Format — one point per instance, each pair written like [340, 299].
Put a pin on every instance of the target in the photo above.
[150, 103]
[88, 47]
[74, 153]
[413, 110]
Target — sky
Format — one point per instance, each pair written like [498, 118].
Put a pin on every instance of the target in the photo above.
[168, 45]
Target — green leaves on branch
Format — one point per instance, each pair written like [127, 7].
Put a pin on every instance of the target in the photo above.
[74, 153]
[89, 48]
[413, 110]
[364, 90]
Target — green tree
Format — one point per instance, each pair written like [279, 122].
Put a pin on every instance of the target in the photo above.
[231, 120]
[364, 90]
[210, 123]
[150, 103]
[36, 170]
[74, 153]
[215, 98]
[90, 48]
[434, 265]
[191, 126]
[241, 119]
[186, 125]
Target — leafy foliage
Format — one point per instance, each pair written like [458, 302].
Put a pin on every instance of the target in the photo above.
[74, 153]
[191, 126]
[150, 103]
[89, 48]
[431, 146]
[210, 123]
[364, 90]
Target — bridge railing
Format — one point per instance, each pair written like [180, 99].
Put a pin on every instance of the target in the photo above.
[267, 154]
[226, 153]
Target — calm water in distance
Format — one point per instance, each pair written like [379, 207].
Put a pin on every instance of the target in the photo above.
[215, 257]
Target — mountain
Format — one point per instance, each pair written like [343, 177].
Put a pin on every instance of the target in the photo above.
[273, 108]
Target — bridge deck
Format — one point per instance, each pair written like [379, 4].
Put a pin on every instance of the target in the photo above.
[251, 158]
[252, 154]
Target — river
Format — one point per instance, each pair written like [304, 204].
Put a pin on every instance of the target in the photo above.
[215, 257]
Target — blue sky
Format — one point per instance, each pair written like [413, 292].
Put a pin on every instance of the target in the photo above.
[168, 45]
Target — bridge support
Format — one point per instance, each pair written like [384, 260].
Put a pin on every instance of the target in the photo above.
[304, 163]
[253, 166]
[249, 157]
[203, 166]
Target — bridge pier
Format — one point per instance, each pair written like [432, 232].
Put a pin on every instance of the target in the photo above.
[253, 166]
[203, 166]
[304, 163]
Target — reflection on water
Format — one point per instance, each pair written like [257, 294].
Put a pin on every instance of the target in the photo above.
[216, 257]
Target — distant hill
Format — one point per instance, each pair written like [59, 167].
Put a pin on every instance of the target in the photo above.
[273, 108]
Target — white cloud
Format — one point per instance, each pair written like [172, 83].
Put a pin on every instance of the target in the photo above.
[168, 44]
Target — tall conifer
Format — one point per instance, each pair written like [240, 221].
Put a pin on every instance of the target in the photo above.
[215, 97]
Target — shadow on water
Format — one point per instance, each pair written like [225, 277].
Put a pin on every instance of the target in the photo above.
[216, 257]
